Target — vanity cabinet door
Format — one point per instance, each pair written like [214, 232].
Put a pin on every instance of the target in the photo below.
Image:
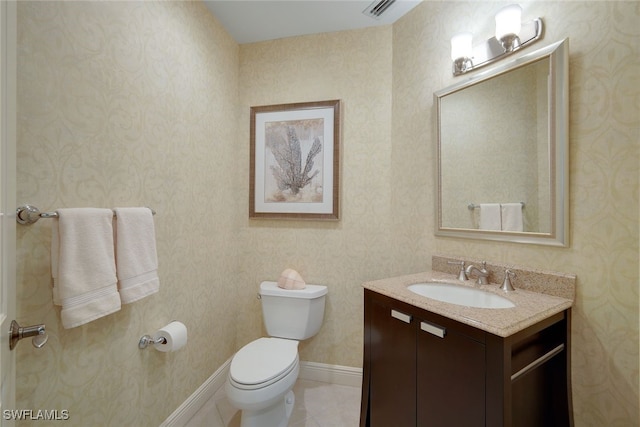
[450, 377]
[393, 367]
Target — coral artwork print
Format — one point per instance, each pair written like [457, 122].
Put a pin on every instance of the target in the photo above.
[293, 167]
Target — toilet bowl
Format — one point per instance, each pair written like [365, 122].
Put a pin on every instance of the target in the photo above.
[260, 380]
[262, 373]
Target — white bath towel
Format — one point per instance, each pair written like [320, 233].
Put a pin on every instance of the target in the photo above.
[136, 256]
[83, 265]
[490, 216]
[512, 217]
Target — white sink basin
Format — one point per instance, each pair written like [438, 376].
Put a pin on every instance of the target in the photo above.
[460, 295]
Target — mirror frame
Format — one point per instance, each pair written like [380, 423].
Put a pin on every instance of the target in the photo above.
[558, 131]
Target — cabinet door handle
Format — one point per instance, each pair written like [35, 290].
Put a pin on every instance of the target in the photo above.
[401, 316]
[433, 329]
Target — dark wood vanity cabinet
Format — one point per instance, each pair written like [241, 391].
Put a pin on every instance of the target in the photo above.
[423, 369]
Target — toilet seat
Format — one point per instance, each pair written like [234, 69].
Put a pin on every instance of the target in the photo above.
[263, 362]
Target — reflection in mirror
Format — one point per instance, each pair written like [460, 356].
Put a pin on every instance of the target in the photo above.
[502, 152]
[491, 130]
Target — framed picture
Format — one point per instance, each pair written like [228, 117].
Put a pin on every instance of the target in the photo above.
[294, 166]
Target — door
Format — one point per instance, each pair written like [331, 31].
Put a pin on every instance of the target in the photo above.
[451, 377]
[393, 367]
[7, 205]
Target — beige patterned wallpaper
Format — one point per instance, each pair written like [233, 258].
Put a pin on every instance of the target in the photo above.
[128, 104]
[147, 103]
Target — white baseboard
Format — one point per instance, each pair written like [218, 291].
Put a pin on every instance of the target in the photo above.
[332, 374]
[189, 407]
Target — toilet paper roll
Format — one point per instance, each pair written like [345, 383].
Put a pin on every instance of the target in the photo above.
[175, 335]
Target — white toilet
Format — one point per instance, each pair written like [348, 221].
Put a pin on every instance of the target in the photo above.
[263, 372]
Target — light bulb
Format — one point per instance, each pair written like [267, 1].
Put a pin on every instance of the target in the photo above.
[508, 21]
[461, 46]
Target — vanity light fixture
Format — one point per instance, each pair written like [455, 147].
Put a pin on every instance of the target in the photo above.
[511, 35]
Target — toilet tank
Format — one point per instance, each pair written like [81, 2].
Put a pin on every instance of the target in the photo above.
[292, 313]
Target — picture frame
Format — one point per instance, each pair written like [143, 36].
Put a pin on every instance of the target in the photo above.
[295, 161]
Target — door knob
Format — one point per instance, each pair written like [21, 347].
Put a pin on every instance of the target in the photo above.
[18, 332]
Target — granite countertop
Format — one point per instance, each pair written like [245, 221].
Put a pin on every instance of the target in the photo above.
[530, 307]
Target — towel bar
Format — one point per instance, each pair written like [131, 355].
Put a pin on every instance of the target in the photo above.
[28, 214]
[472, 206]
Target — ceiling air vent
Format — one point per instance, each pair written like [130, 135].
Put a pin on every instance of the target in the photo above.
[377, 8]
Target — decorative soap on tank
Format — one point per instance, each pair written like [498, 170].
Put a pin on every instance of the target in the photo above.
[291, 279]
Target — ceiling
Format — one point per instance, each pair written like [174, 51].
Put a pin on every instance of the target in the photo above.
[250, 21]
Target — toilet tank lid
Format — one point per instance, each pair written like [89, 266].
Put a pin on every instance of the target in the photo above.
[309, 292]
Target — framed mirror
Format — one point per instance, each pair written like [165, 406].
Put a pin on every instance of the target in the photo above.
[503, 164]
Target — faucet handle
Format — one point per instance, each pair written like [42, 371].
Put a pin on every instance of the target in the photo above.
[506, 284]
[462, 275]
[484, 267]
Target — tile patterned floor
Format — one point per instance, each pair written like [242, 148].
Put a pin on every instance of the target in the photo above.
[318, 404]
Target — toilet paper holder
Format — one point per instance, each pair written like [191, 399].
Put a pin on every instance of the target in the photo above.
[147, 340]
[170, 337]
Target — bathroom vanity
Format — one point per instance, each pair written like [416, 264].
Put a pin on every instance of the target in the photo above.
[431, 363]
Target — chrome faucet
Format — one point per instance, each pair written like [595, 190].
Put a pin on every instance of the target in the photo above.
[481, 273]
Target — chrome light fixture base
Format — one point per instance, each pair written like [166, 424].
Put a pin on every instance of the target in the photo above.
[510, 42]
[493, 49]
[462, 65]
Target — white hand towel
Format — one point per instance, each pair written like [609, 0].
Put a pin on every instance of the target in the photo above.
[83, 265]
[136, 256]
[490, 218]
[512, 217]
